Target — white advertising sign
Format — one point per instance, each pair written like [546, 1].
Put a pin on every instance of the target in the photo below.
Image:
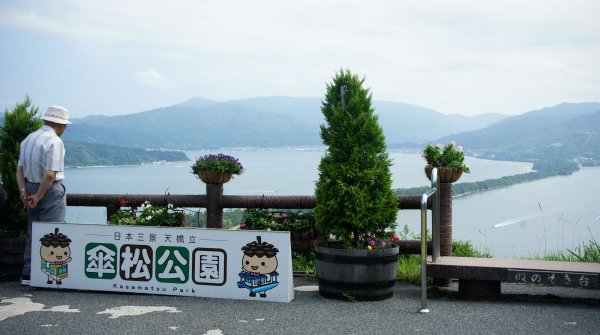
[234, 264]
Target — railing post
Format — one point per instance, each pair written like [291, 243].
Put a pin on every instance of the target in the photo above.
[445, 225]
[424, 198]
[446, 219]
[214, 206]
[110, 210]
[435, 217]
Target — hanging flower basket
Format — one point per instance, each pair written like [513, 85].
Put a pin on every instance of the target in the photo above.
[216, 169]
[214, 177]
[445, 175]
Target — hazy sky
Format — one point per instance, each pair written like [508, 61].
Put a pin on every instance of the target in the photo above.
[468, 57]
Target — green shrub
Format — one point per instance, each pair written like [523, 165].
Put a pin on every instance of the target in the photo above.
[466, 249]
[282, 220]
[18, 123]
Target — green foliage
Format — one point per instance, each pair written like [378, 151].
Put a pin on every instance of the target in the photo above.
[304, 263]
[148, 215]
[219, 163]
[354, 195]
[590, 252]
[18, 123]
[409, 268]
[466, 249]
[450, 156]
[288, 220]
[586, 252]
[123, 217]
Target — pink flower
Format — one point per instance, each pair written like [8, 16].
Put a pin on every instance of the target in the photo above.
[383, 244]
[371, 242]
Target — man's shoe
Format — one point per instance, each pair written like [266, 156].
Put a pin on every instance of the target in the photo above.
[25, 281]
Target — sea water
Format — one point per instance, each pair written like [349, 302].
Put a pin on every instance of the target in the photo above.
[529, 218]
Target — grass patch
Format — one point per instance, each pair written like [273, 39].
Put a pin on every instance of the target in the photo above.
[304, 263]
[409, 268]
[466, 249]
[586, 252]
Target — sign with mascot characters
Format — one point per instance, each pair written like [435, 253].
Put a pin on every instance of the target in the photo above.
[233, 264]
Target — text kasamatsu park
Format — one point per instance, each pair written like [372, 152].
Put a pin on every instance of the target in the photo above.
[159, 260]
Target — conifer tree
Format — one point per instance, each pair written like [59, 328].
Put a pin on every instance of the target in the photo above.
[355, 199]
[18, 123]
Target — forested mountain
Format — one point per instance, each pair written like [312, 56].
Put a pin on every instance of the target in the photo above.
[556, 139]
[260, 122]
[85, 154]
[566, 131]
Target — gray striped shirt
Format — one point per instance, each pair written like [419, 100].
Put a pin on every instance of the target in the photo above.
[42, 151]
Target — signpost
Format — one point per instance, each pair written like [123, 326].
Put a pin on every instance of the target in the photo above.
[216, 263]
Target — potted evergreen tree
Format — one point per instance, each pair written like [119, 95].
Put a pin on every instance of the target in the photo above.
[356, 206]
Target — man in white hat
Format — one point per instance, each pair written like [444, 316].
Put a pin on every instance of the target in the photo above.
[40, 172]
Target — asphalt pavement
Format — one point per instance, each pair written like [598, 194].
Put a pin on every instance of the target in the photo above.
[522, 309]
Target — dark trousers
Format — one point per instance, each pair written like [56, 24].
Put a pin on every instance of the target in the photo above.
[52, 208]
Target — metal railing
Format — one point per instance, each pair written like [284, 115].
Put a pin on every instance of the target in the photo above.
[435, 234]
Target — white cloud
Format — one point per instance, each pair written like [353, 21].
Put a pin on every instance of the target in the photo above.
[150, 78]
[454, 56]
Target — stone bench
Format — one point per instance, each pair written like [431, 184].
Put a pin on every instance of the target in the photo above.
[480, 278]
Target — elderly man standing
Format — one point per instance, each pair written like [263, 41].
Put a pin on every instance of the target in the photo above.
[40, 172]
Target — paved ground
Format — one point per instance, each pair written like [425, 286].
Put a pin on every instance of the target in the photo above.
[522, 310]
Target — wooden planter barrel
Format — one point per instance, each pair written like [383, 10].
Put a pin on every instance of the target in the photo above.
[364, 275]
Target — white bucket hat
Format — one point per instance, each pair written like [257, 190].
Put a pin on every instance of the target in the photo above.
[57, 114]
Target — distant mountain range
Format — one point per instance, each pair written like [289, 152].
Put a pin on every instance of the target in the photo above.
[565, 131]
[260, 122]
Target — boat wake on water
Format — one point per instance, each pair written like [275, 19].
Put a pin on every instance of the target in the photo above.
[520, 219]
